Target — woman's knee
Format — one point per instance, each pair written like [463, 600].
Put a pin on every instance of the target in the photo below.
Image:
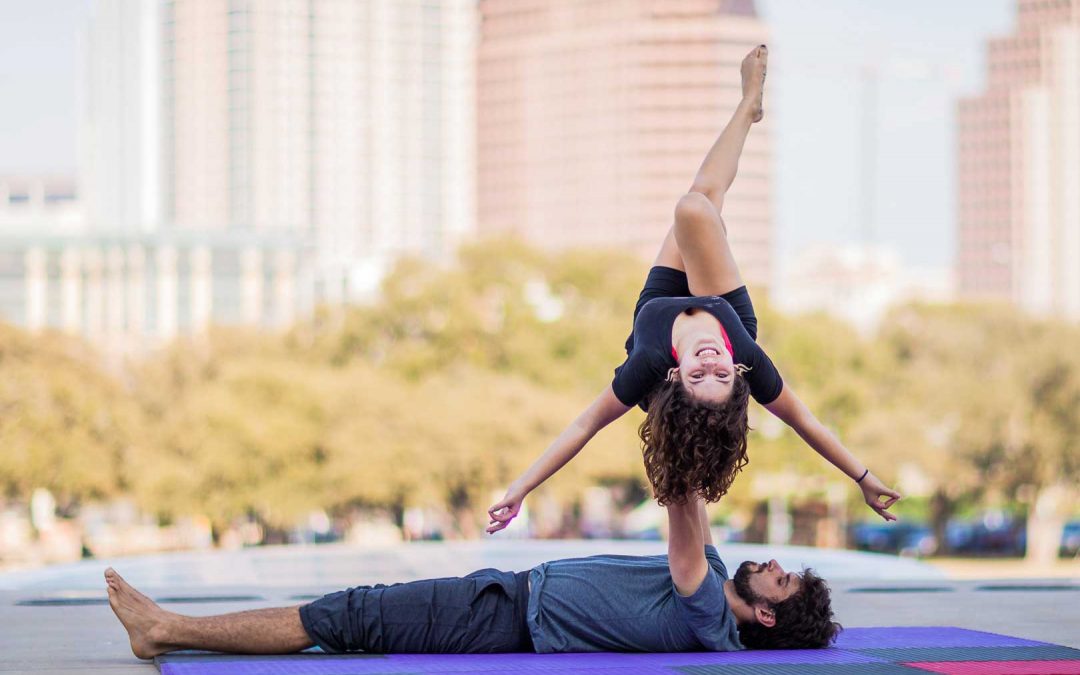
[693, 212]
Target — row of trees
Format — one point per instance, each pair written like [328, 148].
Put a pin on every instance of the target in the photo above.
[458, 377]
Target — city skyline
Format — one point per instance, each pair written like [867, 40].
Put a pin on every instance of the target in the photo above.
[816, 56]
[242, 163]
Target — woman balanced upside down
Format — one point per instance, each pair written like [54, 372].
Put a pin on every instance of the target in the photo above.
[692, 360]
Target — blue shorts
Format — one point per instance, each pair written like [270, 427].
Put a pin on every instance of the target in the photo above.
[481, 613]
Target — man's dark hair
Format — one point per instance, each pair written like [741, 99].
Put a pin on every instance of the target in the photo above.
[803, 621]
[692, 446]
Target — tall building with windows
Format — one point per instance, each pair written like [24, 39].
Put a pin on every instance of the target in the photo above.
[1019, 166]
[593, 118]
[119, 181]
[123, 275]
[244, 160]
[349, 122]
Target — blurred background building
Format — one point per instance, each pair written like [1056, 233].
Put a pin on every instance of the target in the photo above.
[1019, 166]
[856, 283]
[241, 162]
[594, 117]
[36, 212]
[349, 124]
[127, 290]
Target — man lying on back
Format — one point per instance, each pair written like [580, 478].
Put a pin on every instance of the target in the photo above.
[683, 601]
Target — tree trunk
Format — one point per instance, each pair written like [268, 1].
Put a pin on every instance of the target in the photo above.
[1046, 521]
[941, 508]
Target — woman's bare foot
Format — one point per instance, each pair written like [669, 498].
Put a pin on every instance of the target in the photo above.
[145, 622]
[753, 80]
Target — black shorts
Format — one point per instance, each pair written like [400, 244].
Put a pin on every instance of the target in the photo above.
[668, 282]
[481, 613]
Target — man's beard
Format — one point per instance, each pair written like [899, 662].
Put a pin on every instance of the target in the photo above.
[742, 583]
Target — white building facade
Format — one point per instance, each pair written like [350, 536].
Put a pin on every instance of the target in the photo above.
[348, 122]
[242, 161]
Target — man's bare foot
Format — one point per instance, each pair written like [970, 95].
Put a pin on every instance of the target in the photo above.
[753, 80]
[144, 620]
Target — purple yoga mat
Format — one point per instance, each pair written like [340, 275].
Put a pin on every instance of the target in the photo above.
[926, 636]
[496, 663]
[846, 655]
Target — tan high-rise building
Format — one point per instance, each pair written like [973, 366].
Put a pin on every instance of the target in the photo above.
[594, 116]
[1019, 166]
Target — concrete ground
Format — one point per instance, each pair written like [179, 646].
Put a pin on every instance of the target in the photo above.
[41, 631]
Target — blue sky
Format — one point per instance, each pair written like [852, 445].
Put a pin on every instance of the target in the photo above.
[927, 53]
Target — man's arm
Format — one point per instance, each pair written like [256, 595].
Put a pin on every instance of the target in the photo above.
[703, 518]
[686, 545]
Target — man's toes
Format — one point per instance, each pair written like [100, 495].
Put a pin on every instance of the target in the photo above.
[113, 578]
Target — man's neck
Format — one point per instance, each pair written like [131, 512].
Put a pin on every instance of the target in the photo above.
[743, 612]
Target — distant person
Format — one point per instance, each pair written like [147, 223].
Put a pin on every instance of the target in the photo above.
[683, 601]
[692, 357]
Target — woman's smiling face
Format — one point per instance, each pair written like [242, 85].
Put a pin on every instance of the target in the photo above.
[707, 369]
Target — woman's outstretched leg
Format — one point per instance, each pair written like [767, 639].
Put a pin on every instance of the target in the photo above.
[721, 163]
[697, 242]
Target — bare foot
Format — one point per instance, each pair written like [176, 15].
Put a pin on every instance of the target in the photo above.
[753, 80]
[144, 620]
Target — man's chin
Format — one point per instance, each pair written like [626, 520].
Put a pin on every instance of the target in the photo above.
[742, 582]
[745, 570]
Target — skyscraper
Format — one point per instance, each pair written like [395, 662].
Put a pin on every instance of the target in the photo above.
[242, 160]
[119, 134]
[593, 118]
[349, 122]
[1019, 166]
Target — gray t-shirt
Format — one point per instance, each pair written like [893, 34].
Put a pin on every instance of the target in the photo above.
[627, 604]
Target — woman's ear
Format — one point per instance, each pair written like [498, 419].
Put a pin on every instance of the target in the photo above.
[765, 616]
[672, 374]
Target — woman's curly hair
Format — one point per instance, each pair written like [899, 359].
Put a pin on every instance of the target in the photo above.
[694, 446]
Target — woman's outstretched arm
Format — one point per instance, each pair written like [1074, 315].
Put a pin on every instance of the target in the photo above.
[794, 412]
[600, 413]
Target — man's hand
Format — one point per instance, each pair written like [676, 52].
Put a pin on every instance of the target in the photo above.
[873, 490]
[505, 510]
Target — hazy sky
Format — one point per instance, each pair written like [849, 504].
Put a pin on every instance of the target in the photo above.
[927, 53]
[38, 63]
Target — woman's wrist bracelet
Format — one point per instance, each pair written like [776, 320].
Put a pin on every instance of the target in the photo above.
[864, 474]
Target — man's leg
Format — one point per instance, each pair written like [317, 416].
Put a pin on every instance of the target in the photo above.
[154, 631]
[483, 612]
